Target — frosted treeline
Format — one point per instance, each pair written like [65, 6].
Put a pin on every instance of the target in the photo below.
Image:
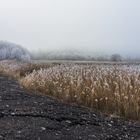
[13, 51]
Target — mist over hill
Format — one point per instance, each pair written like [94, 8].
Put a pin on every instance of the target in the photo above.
[69, 54]
[73, 54]
[10, 50]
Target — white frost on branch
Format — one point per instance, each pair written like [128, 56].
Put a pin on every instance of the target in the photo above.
[13, 51]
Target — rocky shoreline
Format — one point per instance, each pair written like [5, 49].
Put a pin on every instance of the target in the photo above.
[28, 116]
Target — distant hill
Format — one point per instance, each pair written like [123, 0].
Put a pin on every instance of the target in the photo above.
[10, 50]
[65, 55]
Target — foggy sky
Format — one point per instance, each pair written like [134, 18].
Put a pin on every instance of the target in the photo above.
[107, 26]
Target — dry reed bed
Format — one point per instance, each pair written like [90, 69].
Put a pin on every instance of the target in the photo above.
[11, 68]
[17, 69]
[113, 89]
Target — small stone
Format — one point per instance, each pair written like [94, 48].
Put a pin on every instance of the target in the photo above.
[132, 138]
[43, 128]
[112, 122]
[109, 124]
[7, 105]
[19, 132]
[68, 121]
[12, 113]
[126, 136]
[35, 102]
[56, 134]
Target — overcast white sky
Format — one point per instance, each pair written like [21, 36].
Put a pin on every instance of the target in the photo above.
[97, 25]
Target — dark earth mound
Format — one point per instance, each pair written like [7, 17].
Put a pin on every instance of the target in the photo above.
[27, 116]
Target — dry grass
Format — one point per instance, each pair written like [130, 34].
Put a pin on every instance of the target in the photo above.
[17, 69]
[11, 68]
[113, 89]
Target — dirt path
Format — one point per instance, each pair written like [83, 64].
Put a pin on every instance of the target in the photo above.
[26, 116]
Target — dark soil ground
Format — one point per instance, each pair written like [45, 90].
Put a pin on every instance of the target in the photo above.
[27, 116]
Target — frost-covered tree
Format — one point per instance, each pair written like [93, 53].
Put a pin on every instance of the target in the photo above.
[13, 51]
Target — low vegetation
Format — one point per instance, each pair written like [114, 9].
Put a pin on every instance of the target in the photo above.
[110, 88]
[17, 69]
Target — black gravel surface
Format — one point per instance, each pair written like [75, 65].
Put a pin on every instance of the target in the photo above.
[28, 116]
